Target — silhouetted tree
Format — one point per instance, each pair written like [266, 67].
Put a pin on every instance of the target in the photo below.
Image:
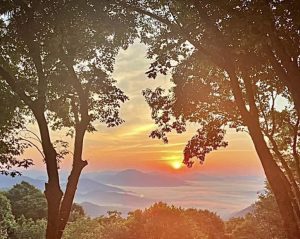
[12, 121]
[56, 61]
[223, 76]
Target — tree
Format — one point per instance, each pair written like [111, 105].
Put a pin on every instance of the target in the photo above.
[220, 79]
[56, 61]
[264, 222]
[164, 221]
[113, 226]
[157, 222]
[29, 229]
[27, 201]
[84, 228]
[274, 27]
[205, 223]
[76, 212]
[11, 122]
[6, 217]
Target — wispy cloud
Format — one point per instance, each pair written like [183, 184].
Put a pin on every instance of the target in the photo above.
[141, 129]
[129, 144]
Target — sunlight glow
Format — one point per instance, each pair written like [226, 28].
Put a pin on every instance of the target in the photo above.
[176, 164]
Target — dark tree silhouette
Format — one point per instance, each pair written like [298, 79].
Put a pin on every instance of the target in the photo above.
[56, 61]
[11, 146]
[226, 72]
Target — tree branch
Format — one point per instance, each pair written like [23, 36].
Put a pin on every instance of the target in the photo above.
[295, 142]
[15, 86]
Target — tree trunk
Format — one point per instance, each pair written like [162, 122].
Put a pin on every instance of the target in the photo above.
[286, 63]
[276, 178]
[67, 201]
[291, 78]
[288, 171]
[295, 92]
[277, 181]
[53, 192]
[53, 195]
[78, 165]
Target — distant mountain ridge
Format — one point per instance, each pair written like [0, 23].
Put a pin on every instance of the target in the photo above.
[94, 210]
[7, 182]
[131, 189]
[136, 178]
[89, 190]
[86, 185]
[243, 212]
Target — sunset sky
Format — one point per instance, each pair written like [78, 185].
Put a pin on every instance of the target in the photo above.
[129, 145]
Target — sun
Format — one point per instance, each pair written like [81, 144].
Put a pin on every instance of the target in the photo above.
[176, 165]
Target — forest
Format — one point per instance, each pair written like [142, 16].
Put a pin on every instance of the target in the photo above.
[23, 215]
[233, 65]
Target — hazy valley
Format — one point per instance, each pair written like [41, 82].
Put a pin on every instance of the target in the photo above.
[124, 191]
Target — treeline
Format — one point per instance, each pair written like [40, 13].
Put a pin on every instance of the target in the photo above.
[23, 211]
[23, 216]
[264, 222]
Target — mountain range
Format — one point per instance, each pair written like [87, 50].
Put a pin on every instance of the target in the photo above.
[127, 190]
[136, 178]
[94, 210]
[88, 190]
[243, 212]
[105, 187]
